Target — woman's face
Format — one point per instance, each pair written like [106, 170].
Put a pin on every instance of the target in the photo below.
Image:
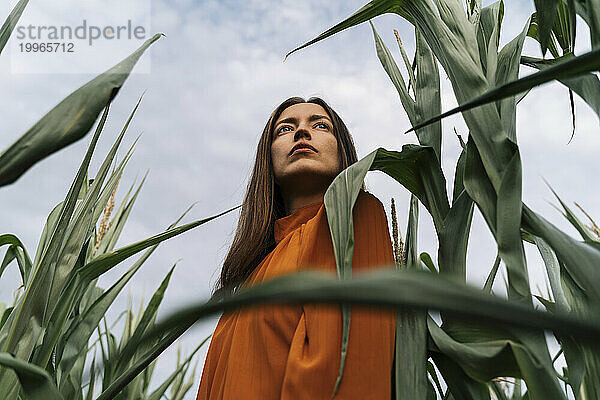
[304, 149]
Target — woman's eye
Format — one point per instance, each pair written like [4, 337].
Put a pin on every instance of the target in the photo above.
[318, 124]
[280, 129]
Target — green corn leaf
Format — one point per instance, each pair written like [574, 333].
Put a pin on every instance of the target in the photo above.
[77, 337]
[453, 237]
[9, 256]
[580, 259]
[502, 212]
[75, 340]
[92, 381]
[490, 61]
[179, 378]
[73, 250]
[408, 167]
[583, 359]
[426, 87]
[392, 70]
[5, 314]
[105, 262]
[89, 294]
[498, 391]
[427, 95]
[571, 68]
[460, 385]
[483, 360]
[489, 282]
[459, 172]
[68, 121]
[11, 22]
[55, 326]
[371, 10]
[180, 371]
[590, 12]
[502, 215]
[587, 86]
[25, 323]
[564, 28]
[77, 231]
[546, 14]
[339, 202]
[508, 236]
[168, 337]
[35, 381]
[147, 318]
[390, 288]
[473, 10]
[553, 271]
[191, 383]
[418, 170]
[15, 243]
[572, 218]
[71, 387]
[488, 28]
[410, 67]
[478, 185]
[533, 33]
[434, 377]
[78, 340]
[410, 359]
[22, 261]
[507, 70]
[426, 259]
[47, 231]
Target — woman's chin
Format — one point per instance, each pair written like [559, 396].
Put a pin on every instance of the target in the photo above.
[307, 178]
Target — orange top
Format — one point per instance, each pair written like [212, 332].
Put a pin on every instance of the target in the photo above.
[292, 352]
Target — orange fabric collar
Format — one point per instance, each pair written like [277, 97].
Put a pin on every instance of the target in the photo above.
[283, 226]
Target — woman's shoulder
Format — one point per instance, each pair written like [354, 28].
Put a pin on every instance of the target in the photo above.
[366, 200]
[369, 207]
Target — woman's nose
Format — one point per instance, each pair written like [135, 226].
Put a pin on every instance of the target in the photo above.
[301, 132]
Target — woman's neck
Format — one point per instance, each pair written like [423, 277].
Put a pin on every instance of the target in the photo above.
[294, 203]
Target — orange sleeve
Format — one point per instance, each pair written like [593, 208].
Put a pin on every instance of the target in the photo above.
[314, 357]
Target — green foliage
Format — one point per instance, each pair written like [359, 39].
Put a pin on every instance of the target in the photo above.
[44, 337]
[483, 338]
[71, 119]
[45, 333]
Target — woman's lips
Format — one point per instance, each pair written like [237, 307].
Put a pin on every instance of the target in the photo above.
[302, 146]
[303, 150]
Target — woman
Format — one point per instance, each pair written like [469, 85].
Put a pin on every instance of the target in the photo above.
[290, 352]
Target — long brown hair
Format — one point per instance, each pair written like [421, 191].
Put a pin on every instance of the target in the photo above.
[263, 203]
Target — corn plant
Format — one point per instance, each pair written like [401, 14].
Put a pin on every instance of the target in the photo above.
[176, 383]
[45, 332]
[484, 340]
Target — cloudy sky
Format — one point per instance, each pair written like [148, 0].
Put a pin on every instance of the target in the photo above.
[211, 84]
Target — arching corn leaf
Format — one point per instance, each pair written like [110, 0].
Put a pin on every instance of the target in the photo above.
[68, 121]
[571, 68]
[35, 381]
